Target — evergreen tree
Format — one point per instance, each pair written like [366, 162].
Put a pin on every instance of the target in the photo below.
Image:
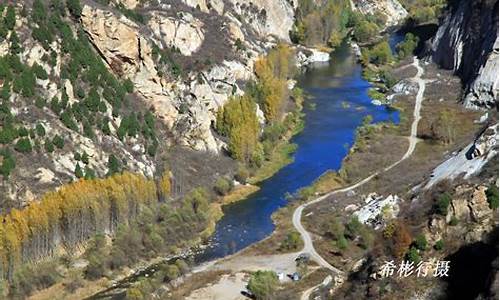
[78, 171]
[113, 165]
[10, 17]
[49, 146]
[58, 141]
[15, 48]
[74, 7]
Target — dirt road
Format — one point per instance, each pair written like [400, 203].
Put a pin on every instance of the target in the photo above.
[297, 215]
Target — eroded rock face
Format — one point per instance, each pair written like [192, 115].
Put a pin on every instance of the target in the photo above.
[470, 211]
[267, 18]
[184, 33]
[469, 160]
[467, 42]
[391, 9]
[128, 54]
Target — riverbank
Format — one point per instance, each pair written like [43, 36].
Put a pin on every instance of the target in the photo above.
[280, 157]
[354, 86]
[370, 153]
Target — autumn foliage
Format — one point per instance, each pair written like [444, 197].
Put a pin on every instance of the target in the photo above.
[238, 121]
[402, 240]
[70, 216]
[272, 73]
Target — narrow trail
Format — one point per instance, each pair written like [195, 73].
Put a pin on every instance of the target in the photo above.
[297, 215]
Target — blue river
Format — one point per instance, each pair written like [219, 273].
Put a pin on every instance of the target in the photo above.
[338, 105]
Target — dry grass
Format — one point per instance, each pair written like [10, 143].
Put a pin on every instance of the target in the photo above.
[194, 282]
[240, 192]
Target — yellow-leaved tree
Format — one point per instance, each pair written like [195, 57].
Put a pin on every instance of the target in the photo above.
[238, 121]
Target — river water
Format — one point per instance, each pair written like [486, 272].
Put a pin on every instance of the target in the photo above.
[339, 102]
[338, 106]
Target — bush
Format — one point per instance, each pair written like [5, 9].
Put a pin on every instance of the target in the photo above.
[342, 243]
[492, 195]
[8, 163]
[10, 17]
[96, 267]
[353, 227]
[24, 145]
[442, 204]
[407, 46]
[49, 146]
[413, 255]
[78, 171]
[439, 245]
[58, 141]
[263, 284]
[223, 186]
[40, 130]
[172, 272]
[242, 174]
[421, 242]
[74, 7]
[365, 30]
[453, 221]
[291, 242]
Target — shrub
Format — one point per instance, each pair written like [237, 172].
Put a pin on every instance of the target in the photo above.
[292, 241]
[336, 229]
[242, 174]
[353, 227]
[95, 268]
[10, 17]
[442, 204]
[39, 71]
[85, 158]
[223, 186]
[172, 272]
[413, 255]
[128, 85]
[365, 30]
[24, 145]
[8, 163]
[407, 46]
[74, 7]
[492, 196]
[263, 284]
[421, 242]
[40, 130]
[49, 146]
[453, 221]
[439, 245]
[342, 243]
[58, 141]
[78, 171]
[113, 165]
[401, 240]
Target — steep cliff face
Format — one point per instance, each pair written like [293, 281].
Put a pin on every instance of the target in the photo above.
[200, 30]
[467, 42]
[183, 60]
[391, 9]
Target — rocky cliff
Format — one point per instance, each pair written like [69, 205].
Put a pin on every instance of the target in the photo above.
[467, 42]
[183, 59]
[392, 10]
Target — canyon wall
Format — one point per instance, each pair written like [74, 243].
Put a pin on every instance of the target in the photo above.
[467, 43]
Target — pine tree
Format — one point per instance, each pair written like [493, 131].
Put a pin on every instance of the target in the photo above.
[10, 17]
[78, 171]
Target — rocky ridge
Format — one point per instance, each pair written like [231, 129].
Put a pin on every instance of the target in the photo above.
[467, 43]
[392, 10]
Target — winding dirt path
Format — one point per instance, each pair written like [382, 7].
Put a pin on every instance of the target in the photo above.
[297, 215]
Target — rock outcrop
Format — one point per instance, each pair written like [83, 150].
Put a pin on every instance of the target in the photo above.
[472, 217]
[467, 42]
[391, 9]
[470, 160]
